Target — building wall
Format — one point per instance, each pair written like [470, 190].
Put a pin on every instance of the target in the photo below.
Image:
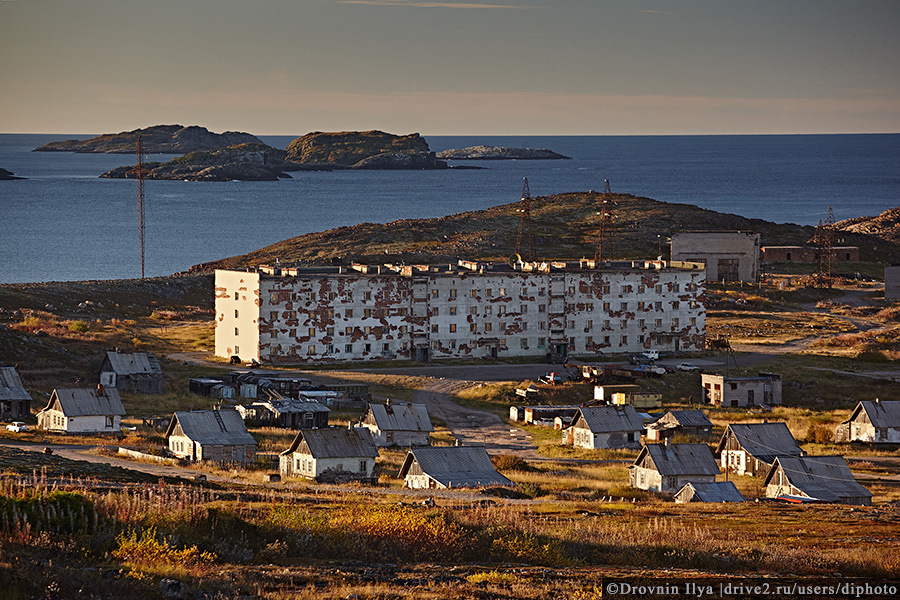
[14, 410]
[459, 314]
[717, 249]
[56, 421]
[892, 283]
[736, 392]
[585, 438]
[651, 480]
[311, 467]
[808, 254]
[182, 447]
[402, 439]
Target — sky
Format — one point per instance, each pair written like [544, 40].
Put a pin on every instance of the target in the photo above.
[448, 67]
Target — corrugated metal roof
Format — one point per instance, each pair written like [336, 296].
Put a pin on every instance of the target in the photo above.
[84, 402]
[720, 491]
[455, 466]
[133, 363]
[11, 386]
[214, 427]
[294, 405]
[687, 418]
[680, 459]
[763, 440]
[882, 414]
[335, 442]
[603, 419]
[399, 416]
[825, 478]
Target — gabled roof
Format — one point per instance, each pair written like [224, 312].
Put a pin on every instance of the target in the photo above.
[11, 386]
[88, 402]
[212, 427]
[604, 419]
[688, 418]
[825, 478]
[293, 405]
[133, 363]
[881, 413]
[679, 459]
[719, 491]
[335, 442]
[398, 416]
[455, 466]
[764, 441]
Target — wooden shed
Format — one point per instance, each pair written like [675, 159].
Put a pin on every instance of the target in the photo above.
[694, 423]
[398, 424]
[718, 491]
[136, 372]
[214, 435]
[751, 448]
[874, 422]
[668, 467]
[15, 401]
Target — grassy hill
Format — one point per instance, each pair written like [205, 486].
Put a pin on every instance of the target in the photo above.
[564, 225]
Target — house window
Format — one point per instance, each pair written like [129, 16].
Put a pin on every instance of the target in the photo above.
[606, 306]
[348, 348]
[523, 308]
[367, 295]
[503, 291]
[235, 331]
[368, 347]
[501, 310]
[453, 294]
[474, 293]
[473, 327]
[435, 312]
[624, 306]
[452, 310]
[363, 466]
[542, 308]
[109, 422]
[235, 313]
[541, 291]
[386, 347]
[237, 350]
[487, 310]
[237, 296]
[489, 292]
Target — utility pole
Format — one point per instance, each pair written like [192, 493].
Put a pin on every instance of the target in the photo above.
[526, 223]
[605, 216]
[139, 171]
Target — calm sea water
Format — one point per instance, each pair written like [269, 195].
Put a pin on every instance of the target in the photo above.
[64, 223]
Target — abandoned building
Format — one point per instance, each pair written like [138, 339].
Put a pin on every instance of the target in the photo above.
[668, 467]
[398, 424]
[874, 422]
[718, 491]
[448, 467]
[728, 255]
[815, 478]
[808, 254]
[892, 283]
[333, 454]
[724, 391]
[378, 312]
[83, 410]
[212, 435]
[545, 415]
[751, 448]
[135, 372]
[596, 427]
[693, 423]
[15, 401]
[287, 413]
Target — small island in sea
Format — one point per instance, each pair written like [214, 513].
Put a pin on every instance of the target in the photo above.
[159, 139]
[500, 153]
[8, 175]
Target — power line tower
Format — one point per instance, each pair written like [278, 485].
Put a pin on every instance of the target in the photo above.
[524, 224]
[139, 171]
[605, 217]
[825, 248]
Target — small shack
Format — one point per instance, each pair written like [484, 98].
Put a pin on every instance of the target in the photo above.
[287, 413]
[822, 478]
[668, 467]
[398, 424]
[692, 423]
[873, 422]
[718, 491]
[545, 415]
[135, 372]
[751, 448]
[83, 410]
[213, 435]
[334, 454]
[764, 388]
[595, 427]
[15, 401]
[447, 467]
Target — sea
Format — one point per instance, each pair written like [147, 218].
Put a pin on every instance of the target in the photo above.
[64, 223]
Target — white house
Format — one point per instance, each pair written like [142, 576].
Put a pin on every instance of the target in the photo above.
[398, 424]
[83, 410]
[597, 427]
[330, 454]
[214, 435]
[875, 422]
[668, 467]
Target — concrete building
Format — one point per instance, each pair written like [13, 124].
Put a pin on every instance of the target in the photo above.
[83, 410]
[15, 401]
[764, 388]
[808, 254]
[380, 312]
[333, 454]
[728, 255]
[892, 283]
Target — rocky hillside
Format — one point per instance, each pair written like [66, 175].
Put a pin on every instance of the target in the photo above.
[564, 225]
[363, 149]
[500, 153]
[160, 139]
[885, 226]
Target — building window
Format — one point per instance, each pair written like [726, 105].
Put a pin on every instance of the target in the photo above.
[434, 293]
[624, 306]
[367, 295]
[541, 291]
[348, 313]
[312, 332]
[542, 326]
[489, 293]
[367, 313]
[452, 327]
[524, 343]
[368, 348]
[640, 306]
[523, 308]
[606, 306]
[329, 348]
[571, 290]
[675, 304]
[453, 294]
[435, 312]
[675, 322]
[473, 310]
[329, 331]
[434, 329]
[363, 466]
[403, 328]
[435, 345]
[235, 313]
[109, 422]
[348, 348]
[624, 340]
[474, 293]
[606, 339]
[473, 327]
[640, 289]
[640, 322]
[501, 310]
[367, 330]
[452, 310]
[386, 347]
[237, 296]
[542, 342]
[487, 310]
[311, 349]
[348, 331]
[503, 291]
[235, 331]
[542, 308]
[237, 350]
[487, 326]
[693, 320]
[659, 322]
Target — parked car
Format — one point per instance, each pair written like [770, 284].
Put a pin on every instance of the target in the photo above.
[651, 354]
[17, 427]
[687, 367]
[551, 379]
[639, 359]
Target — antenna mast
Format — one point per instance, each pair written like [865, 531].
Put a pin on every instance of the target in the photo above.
[139, 172]
[824, 246]
[604, 219]
[526, 222]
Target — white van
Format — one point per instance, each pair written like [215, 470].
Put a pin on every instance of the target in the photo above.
[651, 354]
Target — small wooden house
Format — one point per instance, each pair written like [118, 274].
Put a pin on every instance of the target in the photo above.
[751, 448]
[668, 467]
[448, 467]
[693, 423]
[214, 435]
[822, 478]
[875, 422]
[595, 427]
[136, 372]
[15, 401]
[398, 424]
[330, 455]
[718, 491]
[83, 410]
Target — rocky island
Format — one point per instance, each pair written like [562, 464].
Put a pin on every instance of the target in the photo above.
[500, 153]
[159, 139]
[364, 150]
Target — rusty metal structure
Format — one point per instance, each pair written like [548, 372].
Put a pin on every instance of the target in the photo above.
[824, 241]
[139, 171]
[605, 217]
[525, 224]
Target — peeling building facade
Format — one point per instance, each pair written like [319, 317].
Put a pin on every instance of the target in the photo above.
[420, 312]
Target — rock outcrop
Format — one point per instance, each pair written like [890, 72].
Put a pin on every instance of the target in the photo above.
[885, 226]
[500, 153]
[160, 139]
[245, 162]
[364, 150]
[8, 175]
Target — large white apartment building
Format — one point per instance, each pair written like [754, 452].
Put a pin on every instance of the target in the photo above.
[420, 312]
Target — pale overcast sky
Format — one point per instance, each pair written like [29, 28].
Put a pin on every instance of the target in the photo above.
[567, 67]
